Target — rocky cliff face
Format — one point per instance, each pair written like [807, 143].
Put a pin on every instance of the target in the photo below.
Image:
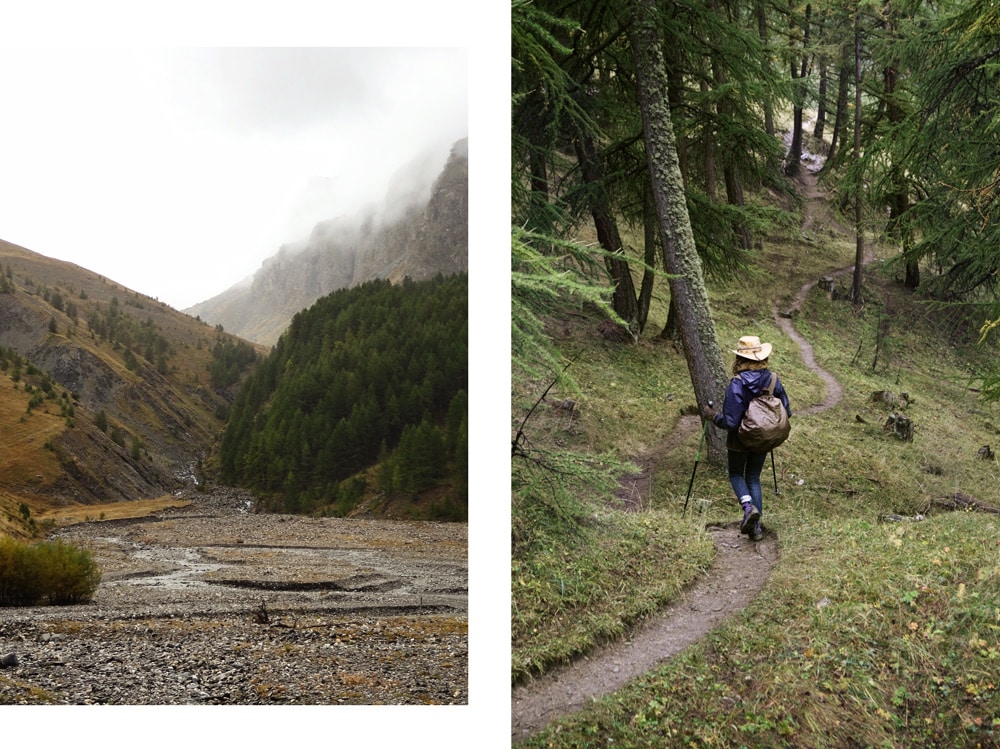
[420, 241]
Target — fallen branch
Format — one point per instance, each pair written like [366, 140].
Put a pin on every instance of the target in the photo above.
[965, 502]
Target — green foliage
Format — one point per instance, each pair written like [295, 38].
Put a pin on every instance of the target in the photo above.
[49, 572]
[230, 360]
[930, 143]
[348, 495]
[545, 276]
[131, 363]
[379, 369]
[420, 456]
[114, 325]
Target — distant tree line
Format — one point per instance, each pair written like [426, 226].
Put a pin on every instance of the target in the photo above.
[230, 359]
[373, 374]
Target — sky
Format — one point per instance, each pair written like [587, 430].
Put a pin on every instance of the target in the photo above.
[131, 146]
[176, 171]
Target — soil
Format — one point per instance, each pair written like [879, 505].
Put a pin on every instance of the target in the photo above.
[740, 570]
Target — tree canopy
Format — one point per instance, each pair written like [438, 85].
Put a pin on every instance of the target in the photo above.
[911, 84]
[374, 373]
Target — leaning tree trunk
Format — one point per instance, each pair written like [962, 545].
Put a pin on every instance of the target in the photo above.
[680, 256]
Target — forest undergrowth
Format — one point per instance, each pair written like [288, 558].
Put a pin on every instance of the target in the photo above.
[879, 626]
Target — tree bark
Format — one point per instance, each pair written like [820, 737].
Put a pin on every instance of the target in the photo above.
[843, 89]
[820, 126]
[710, 180]
[730, 169]
[648, 275]
[623, 297]
[680, 256]
[823, 64]
[761, 14]
[899, 199]
[794, 159]
[859, 235]
[670, 331]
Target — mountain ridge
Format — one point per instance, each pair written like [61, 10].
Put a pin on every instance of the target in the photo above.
[425, 238]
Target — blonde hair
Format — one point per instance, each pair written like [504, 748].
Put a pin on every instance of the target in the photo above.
[742, 365]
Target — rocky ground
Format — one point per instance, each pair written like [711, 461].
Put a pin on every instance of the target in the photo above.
[213, 604]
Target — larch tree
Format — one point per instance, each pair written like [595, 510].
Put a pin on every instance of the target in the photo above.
[799, 61]
[680, 256]
[855, 293]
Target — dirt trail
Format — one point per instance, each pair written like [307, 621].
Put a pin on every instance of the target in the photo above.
[740, 570]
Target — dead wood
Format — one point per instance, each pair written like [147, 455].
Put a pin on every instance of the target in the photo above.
[964, 502]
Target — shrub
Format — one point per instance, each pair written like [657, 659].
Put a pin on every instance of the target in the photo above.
[49, 572]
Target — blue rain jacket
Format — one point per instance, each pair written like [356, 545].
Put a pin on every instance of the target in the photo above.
[743, 388]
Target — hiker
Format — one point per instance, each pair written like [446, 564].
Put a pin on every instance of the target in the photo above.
[750, 378]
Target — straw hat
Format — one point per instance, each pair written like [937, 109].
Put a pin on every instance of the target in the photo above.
[750, 347]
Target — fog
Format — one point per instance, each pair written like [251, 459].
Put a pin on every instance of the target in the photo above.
[177, 171]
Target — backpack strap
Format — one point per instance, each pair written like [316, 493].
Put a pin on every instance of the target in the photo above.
[770, 387]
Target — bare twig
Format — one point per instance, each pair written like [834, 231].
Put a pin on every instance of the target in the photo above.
[516, 445]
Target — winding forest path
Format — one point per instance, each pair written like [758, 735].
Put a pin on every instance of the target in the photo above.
[739, 572]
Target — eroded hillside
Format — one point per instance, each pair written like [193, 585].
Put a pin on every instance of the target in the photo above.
[105, 394]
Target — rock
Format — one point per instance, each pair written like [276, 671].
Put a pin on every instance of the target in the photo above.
[8, 661]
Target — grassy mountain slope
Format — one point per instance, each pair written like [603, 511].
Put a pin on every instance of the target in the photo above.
[124, 405]
[868, 633]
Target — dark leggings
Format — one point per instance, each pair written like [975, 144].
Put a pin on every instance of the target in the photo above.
[744, 475]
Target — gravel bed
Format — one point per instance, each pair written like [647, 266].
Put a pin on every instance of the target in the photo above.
[212, 604]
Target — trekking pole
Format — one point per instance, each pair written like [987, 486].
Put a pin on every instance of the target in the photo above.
[774, 473]
[697, 458]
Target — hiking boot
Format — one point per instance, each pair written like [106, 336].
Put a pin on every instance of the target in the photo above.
[757, 534]
[751, 517]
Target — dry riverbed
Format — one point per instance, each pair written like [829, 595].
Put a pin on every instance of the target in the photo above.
[213, 604]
